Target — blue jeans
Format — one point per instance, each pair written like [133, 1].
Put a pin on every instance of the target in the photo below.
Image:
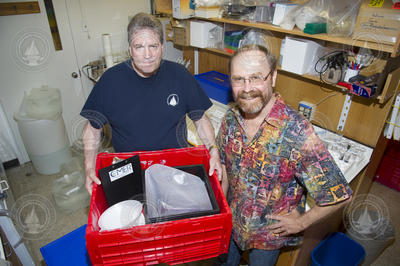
[258, 257]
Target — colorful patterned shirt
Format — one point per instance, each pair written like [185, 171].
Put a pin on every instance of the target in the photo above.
[270, 173]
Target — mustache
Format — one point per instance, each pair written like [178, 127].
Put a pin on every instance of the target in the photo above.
[249, 95]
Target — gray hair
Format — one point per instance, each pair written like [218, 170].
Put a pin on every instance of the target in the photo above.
[271, 59]
[144, 21]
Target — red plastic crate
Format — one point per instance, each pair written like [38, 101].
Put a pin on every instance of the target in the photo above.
[171, 242]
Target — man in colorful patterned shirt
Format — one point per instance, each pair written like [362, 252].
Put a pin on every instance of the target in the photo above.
[271, 156]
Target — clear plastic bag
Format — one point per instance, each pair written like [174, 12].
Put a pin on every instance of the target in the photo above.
[256, 36]
[69, 190]
[44, 103]
[215, 37]
[341, 20]
[238, 9]
[340, 16]
[170, 191]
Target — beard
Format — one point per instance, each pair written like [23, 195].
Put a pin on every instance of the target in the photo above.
[251, 102]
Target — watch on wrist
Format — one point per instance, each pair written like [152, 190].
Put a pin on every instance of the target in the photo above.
[212, 147]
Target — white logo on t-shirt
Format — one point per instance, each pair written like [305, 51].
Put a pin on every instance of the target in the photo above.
[173, 100]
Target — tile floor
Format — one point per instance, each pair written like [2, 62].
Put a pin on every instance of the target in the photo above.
[24, 181]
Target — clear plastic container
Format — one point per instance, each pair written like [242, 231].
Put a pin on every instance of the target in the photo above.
[45, 141]
[342, 26]
[69, 192]
[341, 19]
[42, 130]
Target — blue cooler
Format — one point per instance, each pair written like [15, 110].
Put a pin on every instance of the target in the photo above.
[216, 85]
[337, 249]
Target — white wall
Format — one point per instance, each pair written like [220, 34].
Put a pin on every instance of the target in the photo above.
[100, 16]
[96, 17]
[91, 18]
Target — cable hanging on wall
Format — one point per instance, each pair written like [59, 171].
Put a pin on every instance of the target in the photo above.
[331, 67]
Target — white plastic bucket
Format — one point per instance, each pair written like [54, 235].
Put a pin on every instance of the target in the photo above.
[45, 142]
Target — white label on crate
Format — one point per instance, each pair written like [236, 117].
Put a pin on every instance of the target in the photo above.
[120, 172]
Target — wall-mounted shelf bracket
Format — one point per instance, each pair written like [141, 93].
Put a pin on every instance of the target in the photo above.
[345, 112]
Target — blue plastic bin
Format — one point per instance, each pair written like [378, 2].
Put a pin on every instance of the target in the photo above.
[216, 85]
[337, 249]
[69, 249]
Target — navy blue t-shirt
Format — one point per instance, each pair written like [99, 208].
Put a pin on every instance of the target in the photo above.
[146, 113]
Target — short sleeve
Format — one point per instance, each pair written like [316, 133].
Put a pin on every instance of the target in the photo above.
[319, 173]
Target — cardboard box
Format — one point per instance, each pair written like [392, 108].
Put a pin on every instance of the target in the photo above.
[281, 10]
[377, 23]
[182, 9]
[200, 30]
[181, 36]
[181, 32]
[359, 89]
[163, 6]
[299, 55]
[207, 12]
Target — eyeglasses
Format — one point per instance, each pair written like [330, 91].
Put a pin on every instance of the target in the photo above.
[255, 80]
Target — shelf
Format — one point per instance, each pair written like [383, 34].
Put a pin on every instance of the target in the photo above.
[306, 76]
[385, 47]
[391, 86]
[218, 51]
[165, 12]
[386, 93]
[19, 8]
[385, 90]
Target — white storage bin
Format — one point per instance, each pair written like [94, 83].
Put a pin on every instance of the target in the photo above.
[45, 140]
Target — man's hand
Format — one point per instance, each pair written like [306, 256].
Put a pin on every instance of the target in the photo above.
[288, 224]
[90, 178]
[91, 142]
[215, 163]
[294, 222]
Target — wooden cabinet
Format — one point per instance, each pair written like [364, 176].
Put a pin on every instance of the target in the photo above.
[365, 120]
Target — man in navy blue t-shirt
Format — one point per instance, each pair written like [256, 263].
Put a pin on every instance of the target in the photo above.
[145, 101]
